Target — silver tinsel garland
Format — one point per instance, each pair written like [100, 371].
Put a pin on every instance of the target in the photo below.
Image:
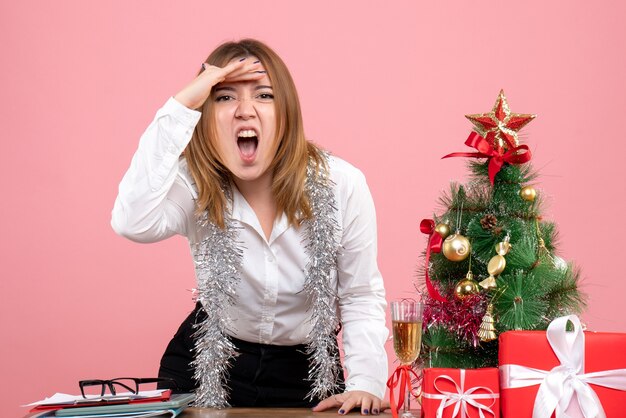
[322, 244]
[218, 259]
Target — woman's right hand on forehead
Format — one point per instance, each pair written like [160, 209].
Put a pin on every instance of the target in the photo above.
[194, 94]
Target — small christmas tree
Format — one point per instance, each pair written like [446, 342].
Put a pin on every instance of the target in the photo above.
[490, 262]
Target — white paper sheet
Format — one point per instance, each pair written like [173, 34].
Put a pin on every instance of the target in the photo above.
[64, 398]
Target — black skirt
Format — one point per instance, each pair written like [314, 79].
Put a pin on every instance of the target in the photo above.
[262, 375]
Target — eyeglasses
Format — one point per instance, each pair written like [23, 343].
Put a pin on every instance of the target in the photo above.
[131, 384]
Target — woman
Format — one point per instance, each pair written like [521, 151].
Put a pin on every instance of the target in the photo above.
[283, 238]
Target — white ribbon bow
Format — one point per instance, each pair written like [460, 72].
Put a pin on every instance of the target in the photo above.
[462, 398]
[558, 385]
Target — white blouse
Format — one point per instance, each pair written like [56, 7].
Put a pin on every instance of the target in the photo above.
[156, 200]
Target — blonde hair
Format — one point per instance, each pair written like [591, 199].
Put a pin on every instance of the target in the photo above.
[292, 156]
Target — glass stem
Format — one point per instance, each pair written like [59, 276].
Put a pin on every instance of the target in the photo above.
[407, 401]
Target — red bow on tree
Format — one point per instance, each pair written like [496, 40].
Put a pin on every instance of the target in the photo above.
[517, 155]
[427, 226]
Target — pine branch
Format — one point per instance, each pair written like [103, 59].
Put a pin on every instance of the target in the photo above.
[520, 305]
[566, 297]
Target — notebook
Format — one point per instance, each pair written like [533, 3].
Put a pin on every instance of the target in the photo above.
[178, 400]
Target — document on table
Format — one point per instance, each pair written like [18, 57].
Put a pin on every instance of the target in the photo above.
[66, 399]
[171, 413]
[146, 414]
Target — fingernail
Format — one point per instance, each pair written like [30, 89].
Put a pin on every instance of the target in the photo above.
[256, 62]
[375, 411]
[341, 411]
[204, 65]
[366, 412]
[243, 59]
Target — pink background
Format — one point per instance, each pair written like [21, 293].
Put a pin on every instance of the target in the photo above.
[383, 84]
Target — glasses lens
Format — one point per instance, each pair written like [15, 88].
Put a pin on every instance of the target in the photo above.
[93, 388]
[124, 386]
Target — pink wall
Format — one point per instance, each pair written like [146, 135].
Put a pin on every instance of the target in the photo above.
[385, 87]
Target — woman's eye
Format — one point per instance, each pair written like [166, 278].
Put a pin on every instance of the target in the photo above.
[224, 98]
[266, 96]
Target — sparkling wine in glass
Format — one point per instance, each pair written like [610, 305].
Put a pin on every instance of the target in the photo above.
[406, 317]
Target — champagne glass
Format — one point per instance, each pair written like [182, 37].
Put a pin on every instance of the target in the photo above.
[406, 317]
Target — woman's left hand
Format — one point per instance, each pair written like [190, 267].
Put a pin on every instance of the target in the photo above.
[369, 403]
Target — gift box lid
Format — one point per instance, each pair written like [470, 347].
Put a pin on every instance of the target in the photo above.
[603, 350]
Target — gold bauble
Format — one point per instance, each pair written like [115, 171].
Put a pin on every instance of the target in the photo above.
[496, 265]
[466, 287]
[443, 230]
[528, 193]
[456, 247]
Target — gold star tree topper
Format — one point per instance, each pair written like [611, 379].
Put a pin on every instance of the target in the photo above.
[500, 126]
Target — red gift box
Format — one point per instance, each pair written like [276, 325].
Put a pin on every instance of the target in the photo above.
[450, 393]
[578, 364]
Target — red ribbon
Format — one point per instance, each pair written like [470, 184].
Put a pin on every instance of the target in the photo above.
[427, 226]
[517, 155]
[401, 375]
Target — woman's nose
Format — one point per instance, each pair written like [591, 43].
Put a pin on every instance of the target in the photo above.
[245, 109]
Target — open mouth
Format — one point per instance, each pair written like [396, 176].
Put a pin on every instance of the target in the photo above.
[247, 141]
